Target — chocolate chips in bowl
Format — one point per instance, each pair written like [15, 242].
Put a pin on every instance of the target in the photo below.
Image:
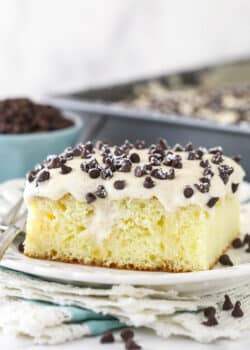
[29, 131]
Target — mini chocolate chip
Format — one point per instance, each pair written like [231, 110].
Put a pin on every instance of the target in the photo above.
[215, 150]
[234, 187]
[107, 337]
[225, 260]
[208, 172]
[101, 192]
[106, 174]
[162, 143]
[202, 187]
[94, 173]
[147, 168]
[125, 166]
[225, 171]
[188, 191]
[118, 151]
[132, 345]
[54, 163]
[139, 171]
[237, 311]
[237, 243]
[178, 148]
[209, 311]
[248, 249]
[217, 158]
[126, 334]
[43, 176]
[158, 174]
[212, 321]
[85, 154]
[148, 182]
[31, 176]
[227, 305]
[65, 169]
[205, 179]
[212, 201]
[204, 163]
[140, 144]
[154, 160]
[191, 155]
[21, 247]
[119, 184]
[134, 158]
[189, 147]
[77, 152]
[170, 174]
[90, 197]
[237, 158]
[246, 238]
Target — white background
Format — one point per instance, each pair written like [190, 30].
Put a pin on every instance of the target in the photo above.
[60, 45]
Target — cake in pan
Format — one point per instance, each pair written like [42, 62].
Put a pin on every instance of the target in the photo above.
[134, 207]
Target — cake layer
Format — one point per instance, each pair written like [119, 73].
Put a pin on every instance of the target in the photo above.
[140, 234]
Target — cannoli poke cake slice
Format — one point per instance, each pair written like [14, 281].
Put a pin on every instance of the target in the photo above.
[134, 207]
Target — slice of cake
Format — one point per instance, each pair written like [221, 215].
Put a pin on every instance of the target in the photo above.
[134, 207]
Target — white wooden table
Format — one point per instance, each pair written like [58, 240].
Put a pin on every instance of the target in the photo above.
[147, 340]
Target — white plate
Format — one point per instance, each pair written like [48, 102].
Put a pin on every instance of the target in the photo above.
[217, 278]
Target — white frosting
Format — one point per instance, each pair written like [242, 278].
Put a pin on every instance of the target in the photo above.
[168, 192]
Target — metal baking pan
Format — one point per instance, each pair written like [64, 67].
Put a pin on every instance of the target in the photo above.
[115, 123]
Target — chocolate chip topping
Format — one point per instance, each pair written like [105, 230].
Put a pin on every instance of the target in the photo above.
[54, 163]
[94, 173]
[225, 260]
[140, 144]
[132, 345]
[248, 248]
[21, 247]
[101, 192]
[159, 174]
[237, 311]
[217, 158]
[212, 321]
[227, 305]
[148, 182]
[234, 187]
[119, 184]
[65, 169]
[43, 176]
[139, 171]
[107, 337]
[178, 148]
[212, 201]
[246, 238]
[189, 147]
[237, 243]
[225, 171]
[202, 187]
[209, 311]
[204, 163]
[90, 197]
[188, 191]
[126, 334]
[216, 150]
[237, 159]
[134, 158]
[125, 166]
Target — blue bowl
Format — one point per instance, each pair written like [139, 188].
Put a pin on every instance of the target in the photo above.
[19, 153]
